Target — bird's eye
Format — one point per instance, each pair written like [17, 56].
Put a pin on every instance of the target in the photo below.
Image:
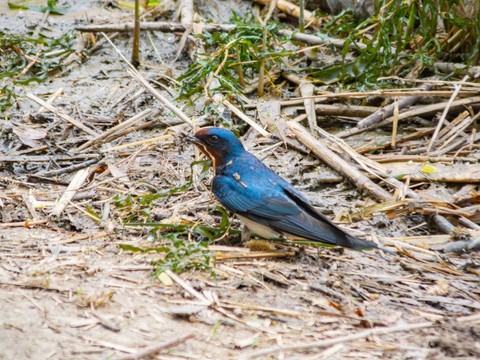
[214, 138]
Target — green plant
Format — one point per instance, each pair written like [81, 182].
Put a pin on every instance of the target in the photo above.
[137, 208]
[26, 59]
[6, 97]
[51, 7]
[232, 57]
[184, 245]
[19, 51]
[404, 38]
[180, 252]
[180, 255]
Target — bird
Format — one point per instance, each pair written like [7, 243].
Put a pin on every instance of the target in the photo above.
[267, 204]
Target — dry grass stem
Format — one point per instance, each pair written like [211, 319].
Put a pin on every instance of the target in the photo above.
[133, 120]
[444, 114]
[61, 115]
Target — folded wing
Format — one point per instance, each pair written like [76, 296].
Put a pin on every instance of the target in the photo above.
[273, 202]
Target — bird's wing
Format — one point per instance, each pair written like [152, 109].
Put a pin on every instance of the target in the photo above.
[276, 204]
[313, 225]
[312, 222]
[253, 200]
[268, 203]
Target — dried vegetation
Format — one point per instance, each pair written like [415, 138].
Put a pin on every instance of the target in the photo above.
[111, 245]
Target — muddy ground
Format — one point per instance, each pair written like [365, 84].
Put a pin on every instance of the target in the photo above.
[68, 291]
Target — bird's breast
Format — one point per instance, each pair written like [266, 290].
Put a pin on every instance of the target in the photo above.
[259, 229]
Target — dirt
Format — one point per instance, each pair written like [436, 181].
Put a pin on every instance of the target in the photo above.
[68, 291]
[77, 299]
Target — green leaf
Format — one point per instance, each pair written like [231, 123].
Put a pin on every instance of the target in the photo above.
[160, 249]
[93, 215]
[50, 7]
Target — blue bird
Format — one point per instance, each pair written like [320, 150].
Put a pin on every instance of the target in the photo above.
[267, 204]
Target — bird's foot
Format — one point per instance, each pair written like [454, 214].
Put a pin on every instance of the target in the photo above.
[246, 234]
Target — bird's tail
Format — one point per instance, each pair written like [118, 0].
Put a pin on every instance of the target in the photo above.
[360, 244]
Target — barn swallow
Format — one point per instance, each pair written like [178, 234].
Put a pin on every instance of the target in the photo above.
[267, 204]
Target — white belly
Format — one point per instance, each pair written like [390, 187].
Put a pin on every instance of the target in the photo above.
[259, 229]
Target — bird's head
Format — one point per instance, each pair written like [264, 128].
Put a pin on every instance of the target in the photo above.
[221, 145]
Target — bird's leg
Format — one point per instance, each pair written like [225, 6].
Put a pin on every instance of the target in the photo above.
[246, 234]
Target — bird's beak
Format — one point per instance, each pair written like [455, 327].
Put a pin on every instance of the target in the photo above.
[195, 140]
[203, 148]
